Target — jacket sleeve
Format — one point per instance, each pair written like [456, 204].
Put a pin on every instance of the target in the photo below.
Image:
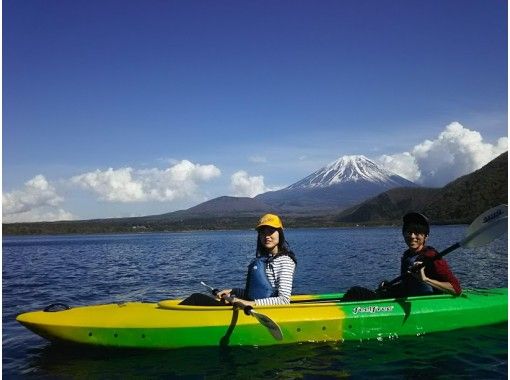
[239, 292]
[444, 273]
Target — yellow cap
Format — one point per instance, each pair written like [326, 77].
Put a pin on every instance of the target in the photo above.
[270, 220]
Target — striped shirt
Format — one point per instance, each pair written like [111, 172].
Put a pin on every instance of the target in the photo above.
[280, 273]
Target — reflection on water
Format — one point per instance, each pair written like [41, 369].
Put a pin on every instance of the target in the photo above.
[474, 353]
[80, 270]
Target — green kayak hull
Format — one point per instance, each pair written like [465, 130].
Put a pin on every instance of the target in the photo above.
[309, 318]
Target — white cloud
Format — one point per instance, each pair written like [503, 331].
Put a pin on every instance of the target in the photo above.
[245, 186]
[40, 214]
[37, 201]
[179, 181]
[402, 164]
[455, 152]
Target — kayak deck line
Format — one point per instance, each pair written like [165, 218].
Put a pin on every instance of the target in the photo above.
[166, 324]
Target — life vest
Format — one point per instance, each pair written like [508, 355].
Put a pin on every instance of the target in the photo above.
[257, 283]
[413, 286]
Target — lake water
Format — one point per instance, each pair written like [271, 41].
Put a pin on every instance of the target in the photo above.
[92, 269]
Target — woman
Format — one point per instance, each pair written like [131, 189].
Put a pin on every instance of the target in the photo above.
[421, 270]
[270, 274]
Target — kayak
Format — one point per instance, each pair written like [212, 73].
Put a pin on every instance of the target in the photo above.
[308, 318]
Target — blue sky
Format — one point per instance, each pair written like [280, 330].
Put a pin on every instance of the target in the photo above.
[120, 108]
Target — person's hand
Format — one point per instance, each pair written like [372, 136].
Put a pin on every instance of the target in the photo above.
[223, 293]
[418, 271]
[239, 301]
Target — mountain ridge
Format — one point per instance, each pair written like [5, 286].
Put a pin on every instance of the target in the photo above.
[459, 201]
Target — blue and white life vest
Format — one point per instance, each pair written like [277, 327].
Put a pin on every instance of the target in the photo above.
[257, 283]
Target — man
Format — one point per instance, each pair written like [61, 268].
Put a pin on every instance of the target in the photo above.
[422, 271]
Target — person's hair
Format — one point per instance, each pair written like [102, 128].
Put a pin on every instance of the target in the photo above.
[415, 227]
[283, 246]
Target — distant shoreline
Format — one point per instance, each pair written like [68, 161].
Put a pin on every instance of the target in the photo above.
[55, 228]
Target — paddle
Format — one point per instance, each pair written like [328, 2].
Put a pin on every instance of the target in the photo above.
[484, 229]
[264, 320]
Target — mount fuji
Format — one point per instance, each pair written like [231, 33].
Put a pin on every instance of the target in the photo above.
[341, 184]
[356, 169]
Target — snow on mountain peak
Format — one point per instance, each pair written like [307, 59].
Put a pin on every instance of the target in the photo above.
[353, 168]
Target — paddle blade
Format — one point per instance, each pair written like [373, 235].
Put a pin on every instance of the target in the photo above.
[487, 227]
[271, 326]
